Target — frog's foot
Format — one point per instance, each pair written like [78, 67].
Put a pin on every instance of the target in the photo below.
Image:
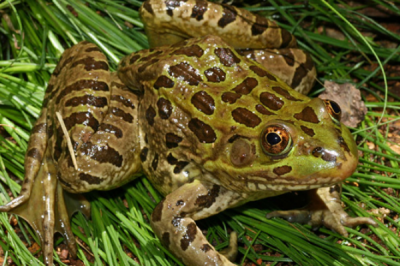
[46, 211]
[173, 220]
[232, 250]
[324, 209]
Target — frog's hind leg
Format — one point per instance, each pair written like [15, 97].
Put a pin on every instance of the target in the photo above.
[33, 160]
[45, 209]
[179, 20]
[173, 220]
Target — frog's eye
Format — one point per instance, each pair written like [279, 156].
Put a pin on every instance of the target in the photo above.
[275, 140]
[333, 109]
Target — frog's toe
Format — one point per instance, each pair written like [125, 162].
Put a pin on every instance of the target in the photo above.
[354, 221]
[232, 250]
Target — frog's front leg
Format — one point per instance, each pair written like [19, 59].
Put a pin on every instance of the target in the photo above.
[173, 220]
[325, 209]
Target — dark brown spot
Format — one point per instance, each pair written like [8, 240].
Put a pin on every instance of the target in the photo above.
[91, 64]
[165, 239]
[163, 82]
[154, 163]
[151, 56]
[126, 102]
[299, 74]
[228, 16]
[172, 140]
[320, 152]
[117, 132]
[150, 114]
[127, 117]
[285, 94]
[186, 72]
[90, 179]
[134, 58]
[215, 74]
[180, 202]
[288, 40]
[189, 237]
[205, 248]
[287, 56]
[164, 108]
[281, 170]
[199, 9]
[81, 85]
[307, 115]
[261, 109]
[147, 6]
[179, 166]
[245, 117]
[148, 63]
[102, 154]
[262, 73]
[343, 144]
[170, 5]
[39, 128]
[171, 159]
[35, 154]
[226, 56]
[157, 213]
[93, 49]
[203, 132]
[230, 97]
[143, 154]
[193, 50]
[246, 86]
[203, 102]
[308, 131]
[89, 100]
[83, 118]
[205, 201]
[259, 26]
[271, 101]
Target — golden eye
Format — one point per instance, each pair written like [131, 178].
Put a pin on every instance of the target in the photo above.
[275, 140]
[333, 109]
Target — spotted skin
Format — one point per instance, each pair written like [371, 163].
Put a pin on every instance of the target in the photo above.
[210, 126]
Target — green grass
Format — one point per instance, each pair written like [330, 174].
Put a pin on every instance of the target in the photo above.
[34, 34]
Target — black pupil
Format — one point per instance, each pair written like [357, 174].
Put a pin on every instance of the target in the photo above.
[335, 107]
[273, 138]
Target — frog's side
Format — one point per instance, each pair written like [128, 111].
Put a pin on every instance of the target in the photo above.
[199, 121]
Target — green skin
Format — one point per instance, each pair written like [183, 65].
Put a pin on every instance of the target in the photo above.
[211, 128]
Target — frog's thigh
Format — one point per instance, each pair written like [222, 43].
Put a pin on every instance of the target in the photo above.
[173, 220]
[324, 209]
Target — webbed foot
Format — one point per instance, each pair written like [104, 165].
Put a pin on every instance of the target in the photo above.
[47, 208]
[324, 209]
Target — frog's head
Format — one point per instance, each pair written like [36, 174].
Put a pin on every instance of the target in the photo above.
[303, 147]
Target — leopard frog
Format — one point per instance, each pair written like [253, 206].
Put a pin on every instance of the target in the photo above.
[201, 116]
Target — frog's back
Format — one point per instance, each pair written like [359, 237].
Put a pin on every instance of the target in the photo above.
[197, 96]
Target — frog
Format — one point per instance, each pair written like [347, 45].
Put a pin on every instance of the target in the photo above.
[214, 114]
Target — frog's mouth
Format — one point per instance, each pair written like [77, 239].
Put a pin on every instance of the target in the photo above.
[290, 184]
